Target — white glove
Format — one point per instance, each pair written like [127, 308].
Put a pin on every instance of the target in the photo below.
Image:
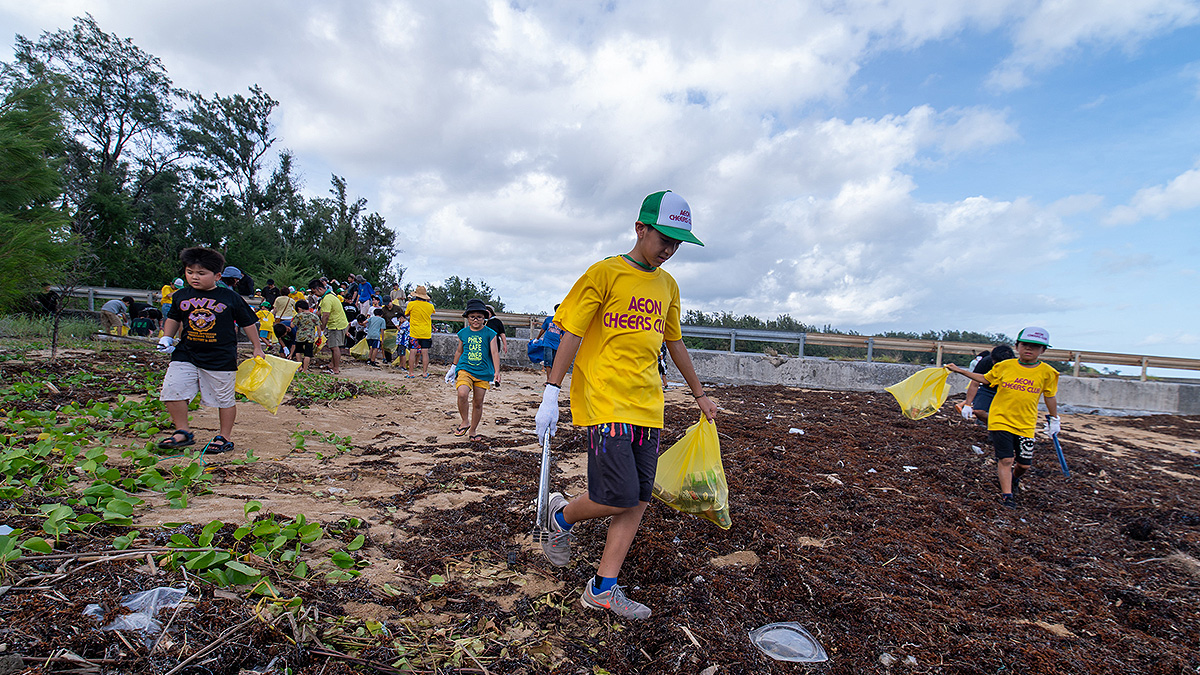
[968, 412]
[547, 414]
[166, 344]
[1053, 425]
[451, 373]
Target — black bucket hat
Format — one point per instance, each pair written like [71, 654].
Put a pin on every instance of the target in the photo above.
[475, 305]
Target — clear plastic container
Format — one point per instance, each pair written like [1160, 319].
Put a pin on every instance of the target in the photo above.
[788, 641]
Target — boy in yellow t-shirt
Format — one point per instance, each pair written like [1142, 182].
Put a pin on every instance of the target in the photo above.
[1013, 415]
[266, 323]
[613, 322]
[420, 328]
[168, 292]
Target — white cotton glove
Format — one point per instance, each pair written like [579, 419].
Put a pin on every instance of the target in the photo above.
[547, 414]
[1053, 425]
[451, 373]
[166, 344]
[968, 412]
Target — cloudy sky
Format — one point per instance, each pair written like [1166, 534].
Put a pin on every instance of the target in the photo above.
[874, 165]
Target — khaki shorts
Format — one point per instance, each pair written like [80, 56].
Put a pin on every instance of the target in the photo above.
[184, 379]
[467, 379]
[335, 338]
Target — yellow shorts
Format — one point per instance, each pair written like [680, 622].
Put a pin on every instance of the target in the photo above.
[471, 381]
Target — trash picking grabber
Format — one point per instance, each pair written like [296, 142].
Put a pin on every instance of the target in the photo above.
[1062, 461]
[541, 522]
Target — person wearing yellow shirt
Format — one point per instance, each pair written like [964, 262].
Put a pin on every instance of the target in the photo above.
[1013, 415]
[266, 323]
[420, 328]
[167, 292]
[614, 320]
[333, 321]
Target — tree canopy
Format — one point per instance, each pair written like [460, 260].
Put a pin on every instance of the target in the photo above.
[136, 169]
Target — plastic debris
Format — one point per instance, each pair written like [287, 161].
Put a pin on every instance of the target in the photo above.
[976, 449]
[5, 530]
[910, 468]
[871, 471]
[788, 641]
[794, 430]
[887, 660]
[143, 606]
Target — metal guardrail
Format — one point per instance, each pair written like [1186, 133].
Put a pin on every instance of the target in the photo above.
[734, 335]
[939, 348]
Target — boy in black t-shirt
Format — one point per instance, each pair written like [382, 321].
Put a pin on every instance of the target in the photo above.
[206, 318]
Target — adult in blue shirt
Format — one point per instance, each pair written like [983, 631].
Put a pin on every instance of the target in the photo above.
[365, 291]
[552, 333]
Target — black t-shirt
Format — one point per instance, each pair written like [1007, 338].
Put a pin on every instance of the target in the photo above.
[497, 325]
[985, 364]
[270, 293]
[210, 320]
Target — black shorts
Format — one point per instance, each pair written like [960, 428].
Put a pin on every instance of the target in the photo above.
[304, 349]
[1008, 444]
[622, 459]
[424, 343]
[983, 398]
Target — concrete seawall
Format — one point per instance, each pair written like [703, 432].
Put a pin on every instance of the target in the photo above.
[1075, 394]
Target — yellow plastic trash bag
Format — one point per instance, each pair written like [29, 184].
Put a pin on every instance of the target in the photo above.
[360, 350]
[690, 477]
[389, 340]
[265, 380]
[922, 394]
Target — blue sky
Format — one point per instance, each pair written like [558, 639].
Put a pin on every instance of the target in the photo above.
[871, 165]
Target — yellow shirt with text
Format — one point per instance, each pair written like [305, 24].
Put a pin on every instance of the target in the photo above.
[166, 293]
[1018, 388]
[623, 315]
[420, 319]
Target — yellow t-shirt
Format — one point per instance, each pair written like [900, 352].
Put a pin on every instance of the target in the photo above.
[1018, 388]
[298, 295]
[623, 314]
[420, 319]
[266, 320]
[166, 293]
[337, 315]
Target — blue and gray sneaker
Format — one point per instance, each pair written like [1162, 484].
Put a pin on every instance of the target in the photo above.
[614, 599]
[557, 546]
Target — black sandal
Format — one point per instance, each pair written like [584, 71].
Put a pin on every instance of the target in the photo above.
[218, 445]
[169, 443]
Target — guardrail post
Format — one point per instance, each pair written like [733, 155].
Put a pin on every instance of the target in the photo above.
[91, 299]
[732, 341]
[939, 355]
[1075, 370]
[870, 348]
[801, 348]
[1144, 363]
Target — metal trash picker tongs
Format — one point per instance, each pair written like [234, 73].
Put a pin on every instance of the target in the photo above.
[541, 523]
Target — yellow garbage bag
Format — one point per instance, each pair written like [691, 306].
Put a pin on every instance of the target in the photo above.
[360, 350]
[389, 340]
[265, 380]
[690, 477]
[922, 394]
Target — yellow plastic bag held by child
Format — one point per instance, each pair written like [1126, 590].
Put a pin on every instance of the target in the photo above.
[922, 394]
[690, 477]
[360, 350]
[265, 380]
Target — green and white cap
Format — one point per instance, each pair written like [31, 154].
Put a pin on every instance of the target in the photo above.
[668, 213]
[1034, 336]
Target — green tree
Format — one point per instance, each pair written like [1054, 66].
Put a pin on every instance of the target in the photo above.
[35, 237]
[230, 136]
[455, 291]
[347, 239]
[118, 105]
